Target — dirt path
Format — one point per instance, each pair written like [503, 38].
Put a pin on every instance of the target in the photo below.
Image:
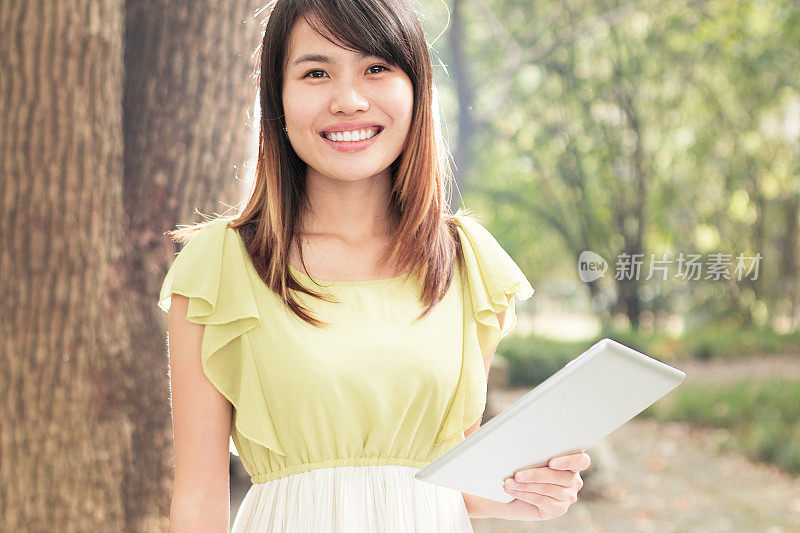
[669, 477]
[786, 366]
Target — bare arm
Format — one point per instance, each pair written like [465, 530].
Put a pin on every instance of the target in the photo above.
[478, 507]
[487, 363]
[201, 420]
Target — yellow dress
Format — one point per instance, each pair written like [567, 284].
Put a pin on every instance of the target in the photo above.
[332, 425]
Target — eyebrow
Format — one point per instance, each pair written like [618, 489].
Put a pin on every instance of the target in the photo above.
[321, 58]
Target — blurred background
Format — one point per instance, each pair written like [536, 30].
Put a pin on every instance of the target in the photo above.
[639, 160]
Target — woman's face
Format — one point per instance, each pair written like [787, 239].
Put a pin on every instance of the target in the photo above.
[346, 92]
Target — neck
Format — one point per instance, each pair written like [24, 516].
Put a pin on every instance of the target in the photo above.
[354, 210]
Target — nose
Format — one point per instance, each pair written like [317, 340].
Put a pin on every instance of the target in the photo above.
[348, 98]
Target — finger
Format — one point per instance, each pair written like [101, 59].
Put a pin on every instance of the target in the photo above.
[575, 462]
[548, 507]
[544, 474]
[532, 497]
[557, 492]
[570, 457]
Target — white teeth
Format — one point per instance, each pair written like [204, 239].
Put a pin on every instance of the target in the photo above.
[356, 135]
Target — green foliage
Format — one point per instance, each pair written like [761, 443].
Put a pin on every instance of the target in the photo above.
[724, 343]
[762, 416]
[531, 360]
[605, 125]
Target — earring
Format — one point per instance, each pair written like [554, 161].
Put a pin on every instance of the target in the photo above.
[285, 130]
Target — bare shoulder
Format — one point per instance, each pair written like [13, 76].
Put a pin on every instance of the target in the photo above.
[177, 322]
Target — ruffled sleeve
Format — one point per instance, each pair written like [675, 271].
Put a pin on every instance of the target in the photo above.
[211, 270]
[490, 279]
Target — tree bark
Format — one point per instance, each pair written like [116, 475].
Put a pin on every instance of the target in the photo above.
[117, 121]
[187, 106]
[65, 437]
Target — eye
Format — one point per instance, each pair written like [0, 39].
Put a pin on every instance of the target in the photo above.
[312, 71]
[378, 66]
[308, 74]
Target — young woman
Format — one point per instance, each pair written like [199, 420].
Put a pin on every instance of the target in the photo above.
[341, 327]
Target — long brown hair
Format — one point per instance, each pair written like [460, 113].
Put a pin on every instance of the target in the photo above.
[425, 242]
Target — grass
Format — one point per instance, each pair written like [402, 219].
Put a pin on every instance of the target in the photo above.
[763, 416]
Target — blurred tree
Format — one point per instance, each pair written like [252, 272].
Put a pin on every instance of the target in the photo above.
[653, 127]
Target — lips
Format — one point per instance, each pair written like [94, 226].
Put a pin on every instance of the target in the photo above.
[350, 125]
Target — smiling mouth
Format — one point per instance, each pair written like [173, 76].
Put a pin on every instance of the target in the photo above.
[378, 130]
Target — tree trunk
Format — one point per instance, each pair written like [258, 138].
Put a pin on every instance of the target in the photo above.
[188, 98]
[85, 428]
[465, 93]
[65, 436]
[789, 262]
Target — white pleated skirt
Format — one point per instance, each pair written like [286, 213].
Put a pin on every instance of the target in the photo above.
[368, 499]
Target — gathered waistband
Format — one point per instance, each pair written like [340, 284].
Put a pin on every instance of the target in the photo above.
[265, 477]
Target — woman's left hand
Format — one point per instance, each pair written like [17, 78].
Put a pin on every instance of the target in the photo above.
[546, 492]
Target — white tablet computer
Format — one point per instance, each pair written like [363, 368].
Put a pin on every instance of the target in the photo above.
[573, 409]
